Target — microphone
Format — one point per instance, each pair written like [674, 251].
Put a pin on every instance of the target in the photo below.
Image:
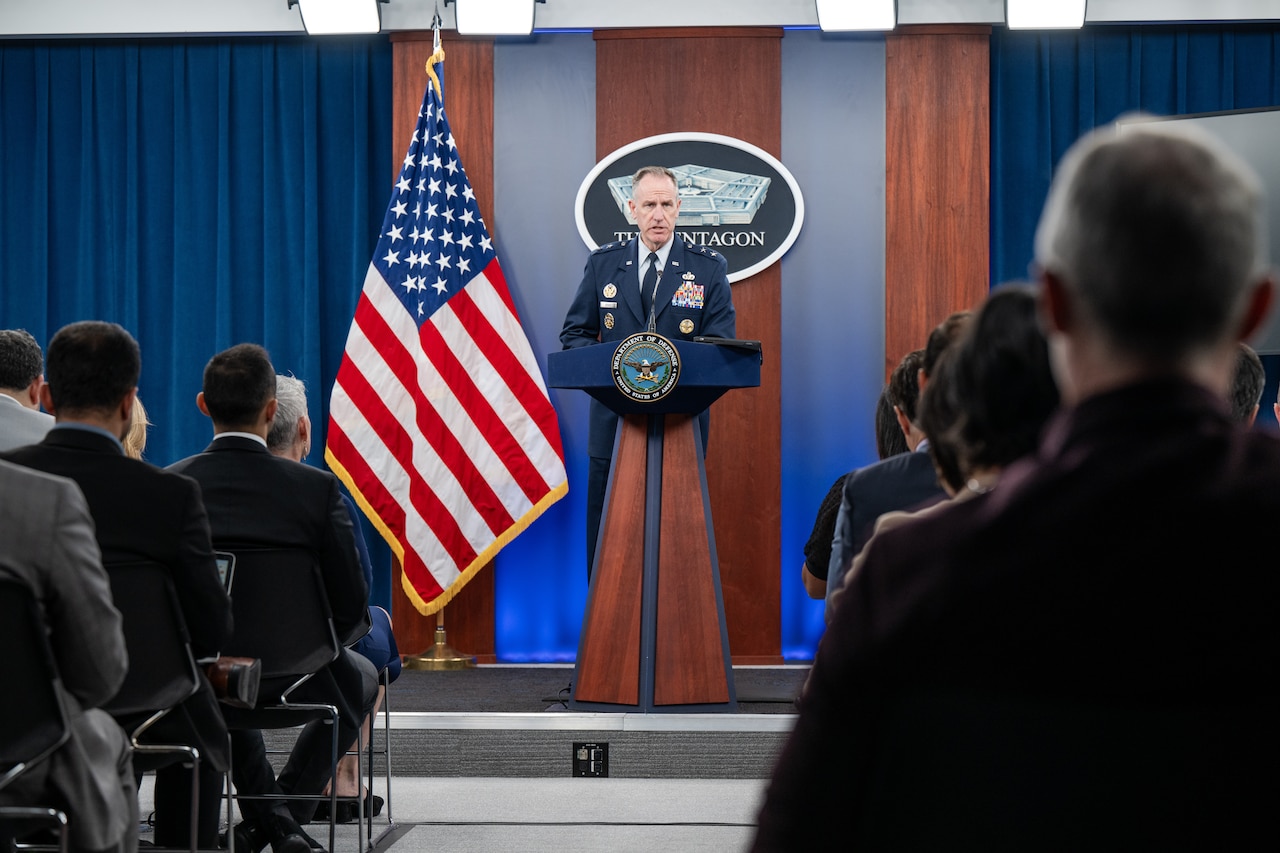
[653, 303]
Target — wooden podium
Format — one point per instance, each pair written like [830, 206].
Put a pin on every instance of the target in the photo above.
[653, 635]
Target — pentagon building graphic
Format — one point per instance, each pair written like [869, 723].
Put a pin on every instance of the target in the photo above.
[708, 196]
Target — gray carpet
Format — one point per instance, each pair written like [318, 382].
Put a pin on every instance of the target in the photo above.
[531, 689]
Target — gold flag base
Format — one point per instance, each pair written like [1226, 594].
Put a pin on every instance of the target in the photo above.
[440, 655]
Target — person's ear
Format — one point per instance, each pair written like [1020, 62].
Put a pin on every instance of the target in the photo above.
[269, 411]
[1257, 308]
[1055, 304]
[33, 391]
[201, 405]
[46, 398]
[904, 423]
[126, 405]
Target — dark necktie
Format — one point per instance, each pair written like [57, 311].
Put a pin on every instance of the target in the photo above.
[650, 280]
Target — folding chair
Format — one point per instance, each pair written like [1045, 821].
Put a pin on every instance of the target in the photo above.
[162, 668]
[33, 727]
[282, 617]
[385, 752]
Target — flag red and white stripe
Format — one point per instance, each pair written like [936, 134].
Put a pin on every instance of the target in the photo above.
[439, 422]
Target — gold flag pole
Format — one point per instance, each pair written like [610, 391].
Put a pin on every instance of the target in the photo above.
[440, 655]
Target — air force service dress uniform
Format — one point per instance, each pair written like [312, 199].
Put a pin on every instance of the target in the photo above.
[693, 298]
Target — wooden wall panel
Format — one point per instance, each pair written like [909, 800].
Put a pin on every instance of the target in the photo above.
[720, 80]
[468, 66]
[937, 158]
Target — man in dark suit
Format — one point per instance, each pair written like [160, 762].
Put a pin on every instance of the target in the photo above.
[1083, 657]
[907, 481]
[141, 513]
[258, 500]
[679, 290]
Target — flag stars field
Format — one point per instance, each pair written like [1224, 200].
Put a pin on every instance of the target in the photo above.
[440, 423]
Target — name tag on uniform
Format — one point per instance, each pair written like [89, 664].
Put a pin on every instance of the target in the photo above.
[608, 305]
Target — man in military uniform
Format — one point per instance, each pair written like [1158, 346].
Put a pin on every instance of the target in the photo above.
[657, 282]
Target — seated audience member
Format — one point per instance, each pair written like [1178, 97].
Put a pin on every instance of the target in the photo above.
[141, 513]
[135, 440]
[897, 397]
[901, 482]
[48, 544]
[890, 439]
[1085, 656]
[290, 438]
[21, 374]
[257, 500]
[988, 400]
[1246, 387]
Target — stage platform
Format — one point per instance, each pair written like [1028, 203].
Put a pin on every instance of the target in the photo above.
[511, 721]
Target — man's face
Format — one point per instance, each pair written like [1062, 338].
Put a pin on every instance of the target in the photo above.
[655, 203]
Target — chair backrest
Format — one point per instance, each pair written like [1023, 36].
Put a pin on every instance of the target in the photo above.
[162, 669]
[281, 612]
[33, 721]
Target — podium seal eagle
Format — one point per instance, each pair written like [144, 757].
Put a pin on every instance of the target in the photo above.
[646, 367]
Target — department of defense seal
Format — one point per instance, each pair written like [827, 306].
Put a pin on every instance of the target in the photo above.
[610, 291]
[608, 321]
[646, 367]
[686, 325]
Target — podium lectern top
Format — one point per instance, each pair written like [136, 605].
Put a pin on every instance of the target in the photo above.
[706, 371]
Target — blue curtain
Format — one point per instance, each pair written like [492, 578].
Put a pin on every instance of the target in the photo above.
[1049, 88]
[201, 193]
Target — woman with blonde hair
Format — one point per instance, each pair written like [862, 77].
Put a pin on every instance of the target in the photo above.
[135, 440]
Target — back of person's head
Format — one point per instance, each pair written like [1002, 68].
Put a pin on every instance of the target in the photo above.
[1246, 387]
[91, 366]
[238, 384]
[889, 438]
[904, 385]
[943, 335]
[1159, 233]
[291, 405]
[21, 361]
[993, 390]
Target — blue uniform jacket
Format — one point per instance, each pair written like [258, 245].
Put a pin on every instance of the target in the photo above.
[693, 298]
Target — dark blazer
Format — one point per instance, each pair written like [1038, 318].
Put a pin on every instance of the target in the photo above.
[1083, 658]
[258, 500]
[693, 299]
[141, 512]
[904, 481]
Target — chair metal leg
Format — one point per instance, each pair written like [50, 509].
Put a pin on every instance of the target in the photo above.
[193, 759]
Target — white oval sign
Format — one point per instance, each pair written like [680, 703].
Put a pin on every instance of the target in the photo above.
[734, 197]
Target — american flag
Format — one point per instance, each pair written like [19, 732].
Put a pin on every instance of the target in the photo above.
[440, 423]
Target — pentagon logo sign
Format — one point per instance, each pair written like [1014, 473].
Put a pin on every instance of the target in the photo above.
[646, 367]
[734, 197]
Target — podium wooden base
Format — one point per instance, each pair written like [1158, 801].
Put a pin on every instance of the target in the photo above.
[654, 636]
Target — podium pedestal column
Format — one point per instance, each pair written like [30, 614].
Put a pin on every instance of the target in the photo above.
[654, 637]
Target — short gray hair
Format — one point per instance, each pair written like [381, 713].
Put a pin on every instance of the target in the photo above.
[1160, 232]
[291, 404]
[654, 172]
